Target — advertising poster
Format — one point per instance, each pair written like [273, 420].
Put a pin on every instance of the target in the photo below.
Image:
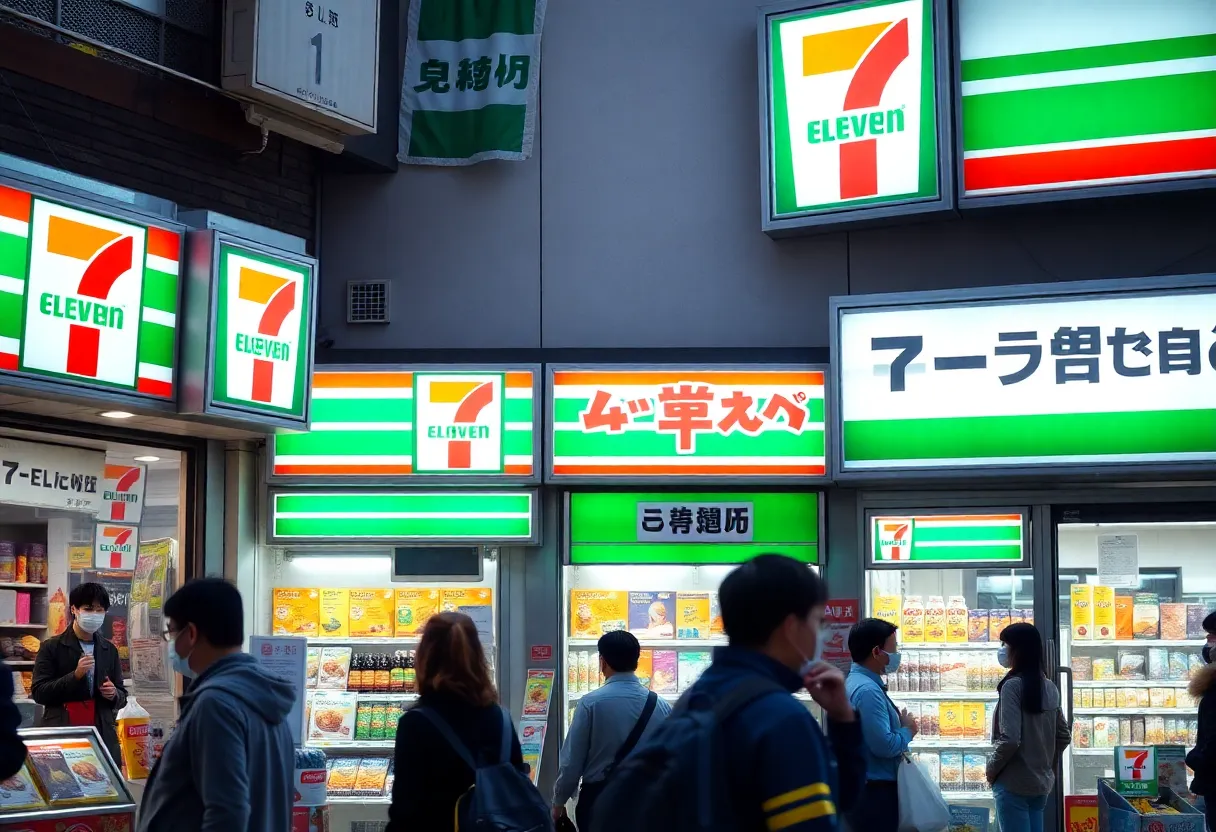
[841, 616]
[537, 691]
[154, 568]
[532, 744]
[1081, 813]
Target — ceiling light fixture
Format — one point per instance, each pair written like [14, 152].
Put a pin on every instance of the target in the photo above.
[116, 414]
[147, 458]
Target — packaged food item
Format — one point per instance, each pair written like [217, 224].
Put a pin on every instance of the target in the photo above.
[1125, 698]
[1158, 664]
[1141, 697]
[1146, 615]
[1137, 730]
[312, 666]
[369, 780]
[652, 614]
[1082, 612]
[19, 792]
[952, 771]
[595, 676]
[376, 720]
[363, 721]
[1194, 663]
[333, 716]
[297, 612]
[333, 671]
[989, 718]
[899, 681]
[1132, 665]
[572, 672]
[951, 719]
[690, 665]
[1083, 668]
[1077, 698]
[342, 776]
[22, 567]
[912, 631]
[1124, 614]
[1125, 730]
[1156, 697]
[716, 628]
[935, 620]
[1087, 698]
[1154, 730]
[1171, 730]
[1195, 613]
[887, 607]
[933, 766]
[8, 562]
[1027, 615]
[977, 625]
[930, 720]
[974, 767]
[1083, 732]
[1102, 733]
[53, 774]
[1179, 665]
[373, 613]
[57, 612]
[998, 620]
[335, 612]
[692, 615]
[594, 612]
[584, 664]
[973, 720]
[1104, 613]
[133, 730]
[1104, 670]
[1112, 697]
[645, 671]
[663, 678]
[87, 768]
[39, 571]
[924, 675]
[310, 777]
[1173, 622]
[975, 671]
[934, 667]
[393, 711]
[414, 607]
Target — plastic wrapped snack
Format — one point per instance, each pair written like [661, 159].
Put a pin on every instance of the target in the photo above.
[951, 771]
[1132, 665]
[1083, 732]
[974, 766]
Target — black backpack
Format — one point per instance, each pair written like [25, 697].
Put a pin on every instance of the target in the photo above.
[677, 781]
[502, 798]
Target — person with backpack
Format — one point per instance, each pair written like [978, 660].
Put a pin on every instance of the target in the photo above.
[458, 764]
[1202, 758]
[885, 730]
[739, 752]
[608, 724]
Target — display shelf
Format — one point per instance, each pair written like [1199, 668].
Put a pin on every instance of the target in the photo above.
[1138, 642]
[1134, 711]
[355, 640]
[657, 643]
[574, 697]
[19, 585]
[949, 795]
[408, 697]
[938, 742]
[370, 800]
[352, 745]
[15, 663]
[961, 645]
[943, 696]
[1092, 752]
[1135, 683]
[9, 625]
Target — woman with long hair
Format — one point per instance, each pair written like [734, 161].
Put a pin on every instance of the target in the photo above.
[1029, 732]
[455, 688]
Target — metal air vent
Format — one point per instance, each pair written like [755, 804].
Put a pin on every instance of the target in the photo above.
[367, 301]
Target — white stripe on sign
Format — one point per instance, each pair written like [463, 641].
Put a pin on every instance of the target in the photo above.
[158, 316]
[161, 264]
[1086, 144]
[402, 515]
[10, 346]
[362, 393]
[1095, 75]
[921, 544]
[517, 459]
[928, 522]
[353, 459]
[155, 372]
[519, 392]
[517, 426]
[323, 426]
[689, 460]
[12, 285]
[17, 228]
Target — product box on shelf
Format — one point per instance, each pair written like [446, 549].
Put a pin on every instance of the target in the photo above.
[415, 606]
[335, 612]
[296, 612]
[1082, 597]
[1104, 612]
[692, 615]
[594, 612]
[652, 614]
[373, 613]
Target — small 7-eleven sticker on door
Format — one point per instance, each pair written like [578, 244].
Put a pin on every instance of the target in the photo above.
[122, 493]
[115, 547]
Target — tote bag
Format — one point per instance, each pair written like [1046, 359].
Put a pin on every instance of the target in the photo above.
[921, 808]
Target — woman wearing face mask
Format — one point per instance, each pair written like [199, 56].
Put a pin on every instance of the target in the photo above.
[77, 674]
[885, 730]
[1028, 731]
[1202, 758]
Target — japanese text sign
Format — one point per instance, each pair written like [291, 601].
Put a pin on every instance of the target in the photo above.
[1119, 94]
[947, 539]
[87, 298]
[851, 110]
[50, 476]
[1097, 379]
[1136, 771]
[285, 657]
[687, 423]
[115, 546]
[122, 493]
[841, 615]
[412, 424]
[699, 522]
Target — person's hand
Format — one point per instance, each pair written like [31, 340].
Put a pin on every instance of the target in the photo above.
[825, 684]
[908, 721]
[84, 666]
[558, 812]
[107, 689]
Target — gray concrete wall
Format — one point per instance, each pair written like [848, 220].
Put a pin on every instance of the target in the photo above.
[636, 223]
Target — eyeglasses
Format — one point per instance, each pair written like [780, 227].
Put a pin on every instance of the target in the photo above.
[171, 635]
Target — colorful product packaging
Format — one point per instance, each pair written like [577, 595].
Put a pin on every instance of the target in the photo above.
[1124, 610]
[935, 620]
[652, 614]
[1173, 622]
[1104, 613]
[912, 631]
[998, 620]
[977, 625]
[1146, 615]
[335, 612]
[956, 619]
[594, 612]
[372, 613]
[887, 607]
[664, 674]
[1082, 612]
[415, 606]
[296, 612]
[692, 615]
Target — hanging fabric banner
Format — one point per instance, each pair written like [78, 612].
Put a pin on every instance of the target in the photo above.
[472, 74]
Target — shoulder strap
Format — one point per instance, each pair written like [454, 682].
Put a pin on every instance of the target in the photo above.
[652, 700]
[441, 725]
[742, 695]
[507, 730]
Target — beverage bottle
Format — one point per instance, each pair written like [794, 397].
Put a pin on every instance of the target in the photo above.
[133, 730]
[358, 670]
[411, 673]
[384, 674]
[398, 672]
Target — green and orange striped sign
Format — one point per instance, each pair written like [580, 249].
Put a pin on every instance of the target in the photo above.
[394, 422]
[1060, 94]
[87, 297]
[691, 423]
[947, 538]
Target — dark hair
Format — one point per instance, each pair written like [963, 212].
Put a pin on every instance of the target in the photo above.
[868, 634]
[620, 649]
[1209, 623]
[1026, 657]
[212, 605]
[86, 595]
[759, 595]
[450, 660]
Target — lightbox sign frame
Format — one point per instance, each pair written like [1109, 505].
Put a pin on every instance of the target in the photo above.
[1020, 360]
[1153, 57]
[226, 270]
[90, 241]
[599, 417]
[857, 41]
[948, 538]
[601, 528]
[382, 397]
[345, 517]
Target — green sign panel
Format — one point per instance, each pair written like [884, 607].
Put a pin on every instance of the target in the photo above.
[1136, 771]
[947, 538]
[337, 517]
[692, 528]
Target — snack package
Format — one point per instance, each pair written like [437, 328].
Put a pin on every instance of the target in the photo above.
[934, 668]
[1141, 697]
[594, 612]
[312, 666]
[953, 672]
[1173, 622]
[1154, 730]
[133, 732]
[926, 677]
[887, 607]
[690, 664]
[977, 625]
[1082, 612]
[1179, 665]
[369, 780]
[645, 670]
[1137, 730]
[1156, 697]
[1195, 613]
[333, 716]
[1027, 615]
[951, 771]
[363, 721]
[912, 631]
[973, 720]
[1083, 732]
[295, 612]
[716, 628]
[975, 671]
[935, 620]
[1104, 670]
[335, 613]
[1111, 696]
[89, 771]
[584, 668]
[19, 792]
[1124, 613]
[333, 670]
[975, 765]
[1102, 732]
[1158, 664]
[692, 615]
[372, 613]
[1087, 698]
[58, 784]
[663, 678]
[342, 776]
[1126, 698]
[1131, 665]
[415, 607]
[932, 763]
[1077, 698]
[1125, 730]
[950, 718]
[652, 614]
[998, 620]
[1146, 616]
[1083, 668]
[376, 721]
[1104, 613]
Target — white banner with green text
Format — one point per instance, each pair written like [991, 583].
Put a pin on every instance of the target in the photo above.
[472, 74]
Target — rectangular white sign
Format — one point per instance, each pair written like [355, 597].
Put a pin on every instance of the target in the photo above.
[122, 493]
[116, 546]
[285, 657]
[50, 476]
[695, 522]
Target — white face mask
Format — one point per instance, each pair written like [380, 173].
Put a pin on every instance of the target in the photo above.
[821, 639]
[91, 622]
[1002, 657]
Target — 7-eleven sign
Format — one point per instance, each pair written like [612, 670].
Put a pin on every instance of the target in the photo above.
[122, 493]
[115, 547]
[893, 538]
[458, 423]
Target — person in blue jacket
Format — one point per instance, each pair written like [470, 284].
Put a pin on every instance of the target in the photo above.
[886, 731]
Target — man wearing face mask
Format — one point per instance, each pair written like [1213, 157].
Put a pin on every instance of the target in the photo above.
[886, 732]
[77, 674]
[230, 763]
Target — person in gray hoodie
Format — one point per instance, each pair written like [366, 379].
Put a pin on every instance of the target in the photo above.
[230, 763]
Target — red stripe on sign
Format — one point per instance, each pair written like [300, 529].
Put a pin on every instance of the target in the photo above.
[83, 345]
[263, 380]
[14, 204]
[155, 387]
[163, 243]
[1090, 163]
[8, 361]
[859, 169]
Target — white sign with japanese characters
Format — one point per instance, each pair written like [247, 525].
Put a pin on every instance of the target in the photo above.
[1110, 379]
[285, 657]
[695, 522]
[50, 476]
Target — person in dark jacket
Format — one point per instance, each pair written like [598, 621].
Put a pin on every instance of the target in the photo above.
[1202, 758]
[77, 674]
[12, 749]
[454, 683]
[230, 763]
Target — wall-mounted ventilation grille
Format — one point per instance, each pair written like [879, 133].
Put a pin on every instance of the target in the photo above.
[367, 301]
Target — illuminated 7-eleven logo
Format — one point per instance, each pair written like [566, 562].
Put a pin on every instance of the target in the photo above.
[894, 538]
[116, 547]
[262, 330]
[458, 422]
